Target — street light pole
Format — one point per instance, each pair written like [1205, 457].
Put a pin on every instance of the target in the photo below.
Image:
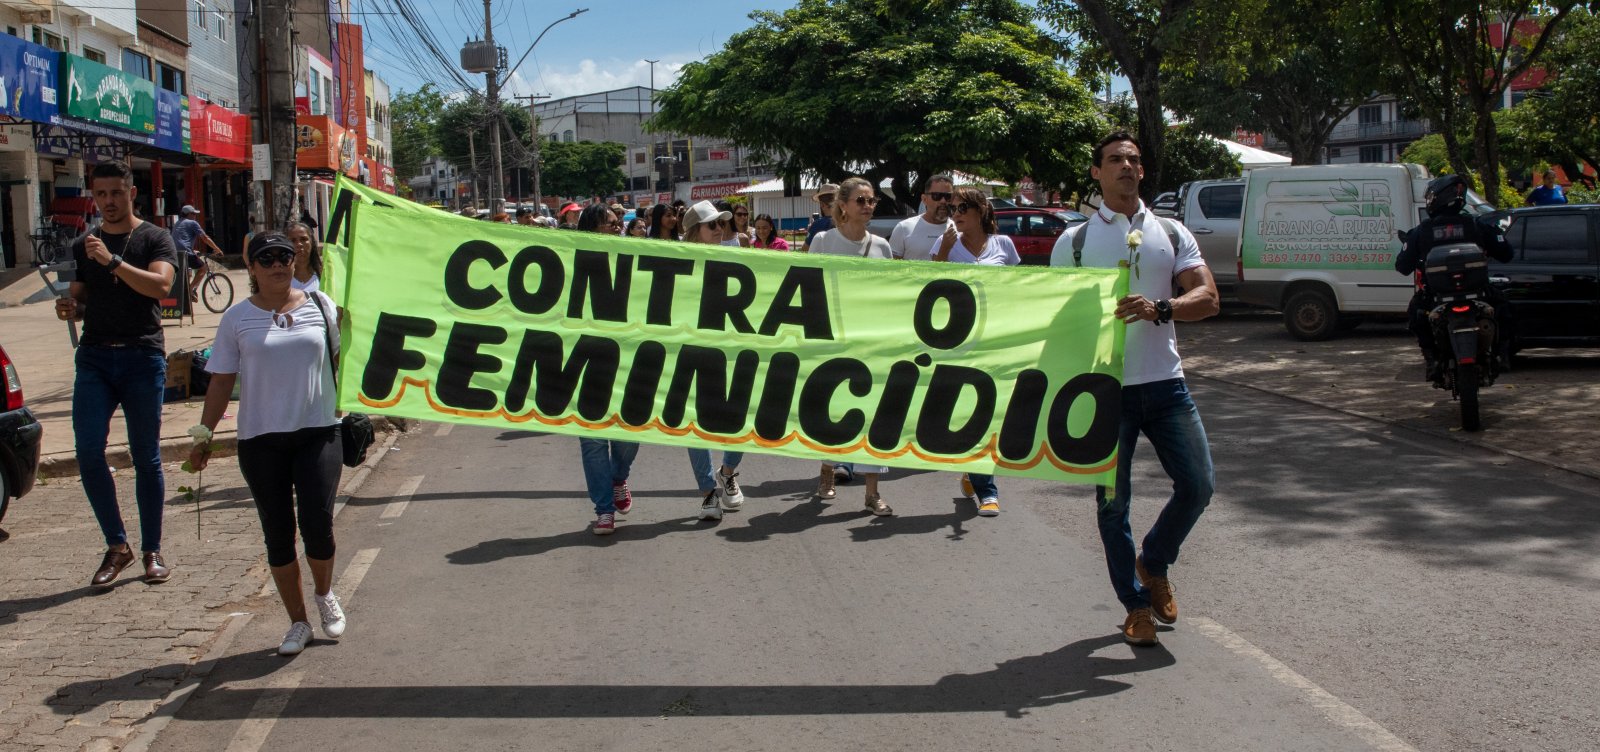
[538, 197]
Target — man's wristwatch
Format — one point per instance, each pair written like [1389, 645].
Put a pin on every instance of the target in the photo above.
[1163, 311]
[115, 262]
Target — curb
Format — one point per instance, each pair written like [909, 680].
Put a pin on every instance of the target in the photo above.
[65, 464]
[1458, 437]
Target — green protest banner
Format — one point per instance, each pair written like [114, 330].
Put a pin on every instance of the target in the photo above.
[1011, 370]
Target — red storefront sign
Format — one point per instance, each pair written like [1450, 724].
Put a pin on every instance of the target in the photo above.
[217, 131]
[722, 154]
[320, 144]
[715, 191]
[352, 86]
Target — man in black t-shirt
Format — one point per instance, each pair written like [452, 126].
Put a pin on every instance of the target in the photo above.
[125, 266]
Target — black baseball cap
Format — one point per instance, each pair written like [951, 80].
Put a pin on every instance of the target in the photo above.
[268, 240]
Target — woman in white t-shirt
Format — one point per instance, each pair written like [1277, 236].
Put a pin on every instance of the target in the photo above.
[307, 258]
[276, 344]
[974, 242]
[852, 208]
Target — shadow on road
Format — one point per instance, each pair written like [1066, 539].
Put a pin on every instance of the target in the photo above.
[506, 548]
[1065, 675]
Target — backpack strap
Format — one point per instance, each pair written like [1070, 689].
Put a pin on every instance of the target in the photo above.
[327, 334]
[1077, 244]
[1172, 231]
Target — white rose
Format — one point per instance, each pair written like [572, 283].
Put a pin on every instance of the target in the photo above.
[1135, 237]
[199, 433]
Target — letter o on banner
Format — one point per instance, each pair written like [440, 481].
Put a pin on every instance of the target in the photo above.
[1100, 437]
[963, 313]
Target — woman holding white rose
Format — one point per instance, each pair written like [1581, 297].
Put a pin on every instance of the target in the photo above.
[276, 344]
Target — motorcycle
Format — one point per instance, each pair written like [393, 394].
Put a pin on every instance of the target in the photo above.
[1463, 325]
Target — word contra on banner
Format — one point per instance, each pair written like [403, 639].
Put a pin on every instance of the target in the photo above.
[910, 364]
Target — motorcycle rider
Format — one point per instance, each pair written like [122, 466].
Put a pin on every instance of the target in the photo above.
[1448, 224]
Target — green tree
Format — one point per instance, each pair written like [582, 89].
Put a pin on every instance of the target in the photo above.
[1561, 124]
[1441, 56]
[1295, 71]
[464, 126]
[1192, 154]
[888, 88]
[413, 115]
[581, 168]
[1144, 40]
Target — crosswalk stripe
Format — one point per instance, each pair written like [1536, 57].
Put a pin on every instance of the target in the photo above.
[402, 498]
[252, 734]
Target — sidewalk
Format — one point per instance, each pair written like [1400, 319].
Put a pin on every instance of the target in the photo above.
[37, 342]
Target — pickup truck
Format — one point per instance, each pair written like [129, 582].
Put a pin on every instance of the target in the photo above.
[1211, 210]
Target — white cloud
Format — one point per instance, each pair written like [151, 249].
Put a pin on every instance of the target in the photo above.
[590, 76]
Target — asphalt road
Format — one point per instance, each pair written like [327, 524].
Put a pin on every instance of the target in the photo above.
[1353, 586]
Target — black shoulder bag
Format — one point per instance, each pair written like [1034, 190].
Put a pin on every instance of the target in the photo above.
[355, 429]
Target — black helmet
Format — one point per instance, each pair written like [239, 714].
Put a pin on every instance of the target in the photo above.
[1446, 195]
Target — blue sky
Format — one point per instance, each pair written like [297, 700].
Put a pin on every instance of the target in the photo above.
[602, 49]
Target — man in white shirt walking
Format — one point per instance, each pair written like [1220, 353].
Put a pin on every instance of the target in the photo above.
[918, 237]
[1162, 257]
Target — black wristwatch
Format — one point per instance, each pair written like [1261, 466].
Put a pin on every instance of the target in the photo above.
[115, 262]
[1163, 311]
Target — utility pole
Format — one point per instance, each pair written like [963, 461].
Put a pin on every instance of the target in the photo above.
[496, 197]
[277, 108]
[538, 194]
[472, 154]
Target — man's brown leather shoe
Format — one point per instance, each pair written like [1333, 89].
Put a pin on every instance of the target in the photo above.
[1163, 601]
[1139, 628]
[117, 559]
[155, 570]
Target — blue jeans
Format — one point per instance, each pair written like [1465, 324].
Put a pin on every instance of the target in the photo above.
[134, 378]
[704, 473]
[1169, 419]
[983, 486]
[605, 464]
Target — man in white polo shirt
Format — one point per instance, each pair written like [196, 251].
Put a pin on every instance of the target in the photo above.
[918, 236]
[1163, 257]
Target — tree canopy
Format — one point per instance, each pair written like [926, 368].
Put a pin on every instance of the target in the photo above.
[413, 115]
[581, 168]
[892, 88]
[1561, 124]
[465, 124]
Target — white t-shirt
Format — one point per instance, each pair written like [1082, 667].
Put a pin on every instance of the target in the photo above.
[916, 238]
[832, 242]
[1151, 352]
[310, 285]
[998, 250]
[285, 382]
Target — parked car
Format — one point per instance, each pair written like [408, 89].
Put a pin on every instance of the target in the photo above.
[1034, 231]
[1553, 279]
[19, 438]
[1165, 205]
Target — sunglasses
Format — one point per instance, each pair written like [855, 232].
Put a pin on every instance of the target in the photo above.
[866, 200]
[741, 214]
[964, 207]
[940, 196]
[272, 257]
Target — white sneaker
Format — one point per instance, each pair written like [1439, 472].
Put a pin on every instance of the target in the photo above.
[296, 640]
[711, 508]
[332, 614]
[732, 497]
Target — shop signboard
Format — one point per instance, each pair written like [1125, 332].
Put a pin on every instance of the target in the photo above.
[712, 191]
[28, 79]
[172, 121]
[99, 93]
[352, 88]
[320, 144]
[217, 131]
[64, 143]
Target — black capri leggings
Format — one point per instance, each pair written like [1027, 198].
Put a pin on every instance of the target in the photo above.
[283, 467]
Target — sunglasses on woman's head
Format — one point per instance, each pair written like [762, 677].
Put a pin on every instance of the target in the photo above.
[273, 257]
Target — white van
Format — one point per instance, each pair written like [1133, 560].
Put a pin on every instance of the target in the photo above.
[1319, 242]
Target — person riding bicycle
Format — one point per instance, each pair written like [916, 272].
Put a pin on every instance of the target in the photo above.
[184, 235]
[1448, 224]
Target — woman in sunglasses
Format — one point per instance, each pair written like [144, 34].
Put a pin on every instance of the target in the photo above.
[276, 345]
[975, 242]
[606, 462]
[852, 207]
[703, 223]
[737, 232]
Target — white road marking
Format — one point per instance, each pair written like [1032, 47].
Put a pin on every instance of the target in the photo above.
[444, 429]
[401, 498]
[354, 572]
[1336, 710]
[252, 734]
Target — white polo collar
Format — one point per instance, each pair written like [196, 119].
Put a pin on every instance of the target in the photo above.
[1110, 217]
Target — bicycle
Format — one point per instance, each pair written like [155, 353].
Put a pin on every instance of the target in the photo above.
[216, 290]
[52, 243]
